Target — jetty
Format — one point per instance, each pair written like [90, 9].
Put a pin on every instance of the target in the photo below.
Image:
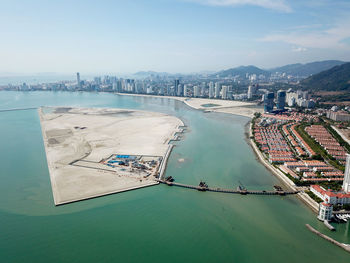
[204, 187]
[346, 247]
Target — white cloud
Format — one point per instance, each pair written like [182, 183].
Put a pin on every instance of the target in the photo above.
[279, 5]
[299, 49]
[321, 38]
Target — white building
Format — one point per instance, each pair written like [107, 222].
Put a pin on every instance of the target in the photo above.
[149, 90]
[346, 182]
[217, 89]
[179, 90]
[329, 196]
[338, 116]
[185, 91]
[325, 211]
[251, 91]
[211, 90]
[196, 91]
[224, 92]
[291, 98]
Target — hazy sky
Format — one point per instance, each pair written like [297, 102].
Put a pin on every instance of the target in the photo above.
[169, 35]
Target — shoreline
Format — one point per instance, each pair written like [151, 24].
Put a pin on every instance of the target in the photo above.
[305, 198]
[49, 166]
[245, 109]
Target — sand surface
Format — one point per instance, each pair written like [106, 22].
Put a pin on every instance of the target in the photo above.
[77, 140]
[241, 108]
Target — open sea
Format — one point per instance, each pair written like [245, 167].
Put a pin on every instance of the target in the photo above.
[159, 223]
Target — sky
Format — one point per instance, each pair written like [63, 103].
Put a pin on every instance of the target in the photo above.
[176, 36]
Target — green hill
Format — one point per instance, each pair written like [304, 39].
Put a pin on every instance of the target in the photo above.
[307, 69]
[334, 79]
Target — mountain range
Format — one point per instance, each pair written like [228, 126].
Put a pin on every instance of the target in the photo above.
[302, 70]
[241, 71]
[335, 79]
[307, 69]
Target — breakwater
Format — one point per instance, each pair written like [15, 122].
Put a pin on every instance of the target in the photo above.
[346, 247]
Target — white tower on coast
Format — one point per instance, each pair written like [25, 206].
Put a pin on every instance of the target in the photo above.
[346, 182]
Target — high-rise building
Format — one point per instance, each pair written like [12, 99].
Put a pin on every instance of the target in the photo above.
[217, 89]
[224, 92]
[281, 99]
[78, 79]
[97, 80]
[196, 91]
[211, 90]
[252, 91]
[346, 182]
[268, 101]
[185, 90]
[291, 101]
[176, 85]
[180, 92]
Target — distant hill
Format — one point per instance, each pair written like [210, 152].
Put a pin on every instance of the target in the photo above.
[307, 69]
[334, 79]
[241, 71]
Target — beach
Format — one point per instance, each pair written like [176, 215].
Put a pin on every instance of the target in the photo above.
[241, 108]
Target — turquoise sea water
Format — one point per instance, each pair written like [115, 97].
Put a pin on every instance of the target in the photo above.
[155, 224]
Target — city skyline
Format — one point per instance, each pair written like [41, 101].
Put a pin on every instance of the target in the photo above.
[169, 36]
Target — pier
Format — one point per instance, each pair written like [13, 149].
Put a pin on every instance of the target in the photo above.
[228, 191]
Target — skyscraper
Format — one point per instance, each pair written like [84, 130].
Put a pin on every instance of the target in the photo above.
[211, 90]
[177, 82]
[281, 99]
[346, 182]
[217, 89]
[185, 90]
[78, 79]
[224, 92]
[180, 92]
[268, 101]
[196, 91]
[251, 91]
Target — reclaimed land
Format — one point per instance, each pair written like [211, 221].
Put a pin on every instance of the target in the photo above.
[90, 135]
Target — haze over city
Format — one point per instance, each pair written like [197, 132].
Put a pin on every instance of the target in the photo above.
[173, 36]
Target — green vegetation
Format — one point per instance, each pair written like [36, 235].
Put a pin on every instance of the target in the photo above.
[241, 71]
[334, 79]
[317, 148]
[297, 182]
[336, 186]
[341, 207]
[308, 68]
[314, 197]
